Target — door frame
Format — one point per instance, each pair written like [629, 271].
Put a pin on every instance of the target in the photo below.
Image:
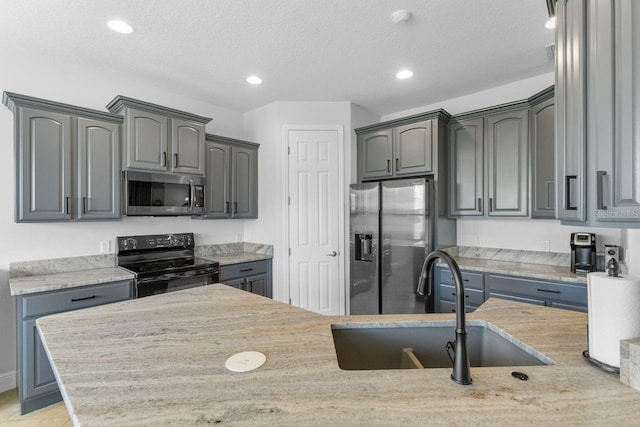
[339, 129]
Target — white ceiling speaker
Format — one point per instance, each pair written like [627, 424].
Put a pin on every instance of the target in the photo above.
[400, 17]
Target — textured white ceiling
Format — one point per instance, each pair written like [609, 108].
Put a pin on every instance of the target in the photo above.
[304, 50]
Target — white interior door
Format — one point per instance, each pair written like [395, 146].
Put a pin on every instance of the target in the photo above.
[315, 281]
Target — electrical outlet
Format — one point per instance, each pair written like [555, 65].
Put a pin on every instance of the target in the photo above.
[105, 246]
[545, 245]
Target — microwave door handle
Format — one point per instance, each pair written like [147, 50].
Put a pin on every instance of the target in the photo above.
[192, 187]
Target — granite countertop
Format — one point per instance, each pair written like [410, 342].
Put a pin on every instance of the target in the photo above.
[160, 361]
[538, 271]
[51, 282]
[236, 258]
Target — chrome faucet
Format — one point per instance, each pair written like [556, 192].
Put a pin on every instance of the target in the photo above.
[461, 367]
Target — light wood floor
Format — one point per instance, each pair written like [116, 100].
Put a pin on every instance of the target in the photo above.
[51, 416]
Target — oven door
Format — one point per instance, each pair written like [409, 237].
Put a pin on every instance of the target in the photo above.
[173, 282]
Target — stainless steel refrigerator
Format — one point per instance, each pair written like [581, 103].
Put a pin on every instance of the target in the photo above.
[393, 226]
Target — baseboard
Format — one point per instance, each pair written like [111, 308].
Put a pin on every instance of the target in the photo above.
[8, 381]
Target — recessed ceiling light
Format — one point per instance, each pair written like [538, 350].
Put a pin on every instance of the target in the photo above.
[254, 80]
[120, 27]
[404, 74]
[551, 23]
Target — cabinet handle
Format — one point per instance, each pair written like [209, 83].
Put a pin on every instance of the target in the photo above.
[600, 189]
[84, 205]
[235, 207]
[464, 280]
[66, 205]
[388, 165]
[479, 204]
[454, 294]
[175, 160]
[397, 164]
[549, 291]
[226, 207]
[490, 204]
[246, 269]
[83, 299]
[164, 158]
[567, 191]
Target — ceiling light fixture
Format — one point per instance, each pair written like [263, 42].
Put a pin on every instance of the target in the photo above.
[254, 80]
[120, 27]
[404, 74]
[400, 17]
[551, 23]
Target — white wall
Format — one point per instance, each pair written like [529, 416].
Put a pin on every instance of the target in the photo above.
[47, 78]
[267, 123]
[631, 248]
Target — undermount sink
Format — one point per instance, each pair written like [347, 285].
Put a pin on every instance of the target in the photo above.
[417, 345]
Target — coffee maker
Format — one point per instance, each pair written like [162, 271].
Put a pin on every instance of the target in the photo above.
[583, 252]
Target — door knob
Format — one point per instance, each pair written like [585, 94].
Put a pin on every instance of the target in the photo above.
[333, 253]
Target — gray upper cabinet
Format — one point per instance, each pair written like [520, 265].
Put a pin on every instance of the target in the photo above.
[614, 103]
[542, 140]
[403, 147]
[98, 170]
[67, 161]
[508, 163]
[232, 178]
[598, 75]
[375, 154]
[413, 148]
[489, 162]
[159, 138]
[570, 110]
[466, 168]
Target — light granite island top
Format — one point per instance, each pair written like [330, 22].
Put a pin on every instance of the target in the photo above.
[161, 361]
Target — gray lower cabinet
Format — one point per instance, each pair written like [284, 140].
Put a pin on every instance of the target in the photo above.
[542, 139]
[572, 296]
[403, 147]
[161, 139]
[67, 161]
[254, 276]
[489, 163]
[232, 178]
[480, 286]
[37, 385]
[445, 290]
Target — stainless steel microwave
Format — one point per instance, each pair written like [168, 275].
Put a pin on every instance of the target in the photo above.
[161, 194]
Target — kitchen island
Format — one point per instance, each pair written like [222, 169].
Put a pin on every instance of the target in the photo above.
[161, 361]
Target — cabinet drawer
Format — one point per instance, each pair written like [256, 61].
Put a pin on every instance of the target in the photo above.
[450, 307]
[472, 296]
[574, 294]
[243, 269]
[517, 298]
[471, 280]
[73, 299]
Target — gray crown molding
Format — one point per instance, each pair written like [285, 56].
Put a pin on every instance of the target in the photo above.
[542, 96]
[495, 109]
[232, 141]
[119, 102]
[13, 100]
[435, 114]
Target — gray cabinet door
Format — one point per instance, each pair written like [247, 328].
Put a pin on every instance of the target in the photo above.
[236, 283]
[217, 198]
[375, 154]
[614, 104]
[146, 140]
[466, 168]
[187, 147]
[542, 139]
[570, 93]
[257, 284]
[413, 148]
[98, 169]
[243, 183]
[508, 163]
[44, 166]
[38, 377]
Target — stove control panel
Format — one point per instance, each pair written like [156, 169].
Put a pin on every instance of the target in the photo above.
[156, 241]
